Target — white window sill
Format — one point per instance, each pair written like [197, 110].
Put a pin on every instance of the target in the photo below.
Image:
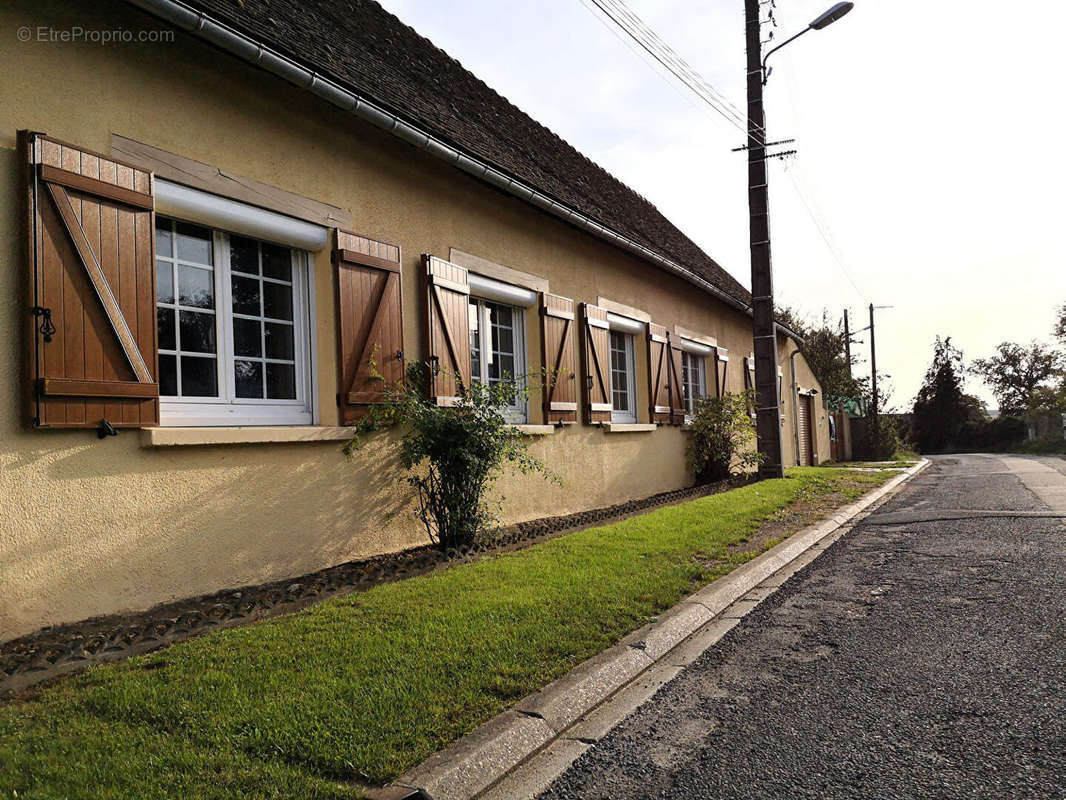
[172, 437]
[629, 427]
[533, 430]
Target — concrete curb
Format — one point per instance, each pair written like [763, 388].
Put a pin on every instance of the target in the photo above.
[519, 752]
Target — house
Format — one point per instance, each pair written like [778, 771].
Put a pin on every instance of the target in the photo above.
[215, 220]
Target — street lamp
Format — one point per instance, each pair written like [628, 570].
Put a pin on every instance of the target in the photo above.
[824, 20]
[764, 328]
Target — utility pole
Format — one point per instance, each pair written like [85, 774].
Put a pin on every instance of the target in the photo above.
[768, 420]
[873, 371]
[847, 342]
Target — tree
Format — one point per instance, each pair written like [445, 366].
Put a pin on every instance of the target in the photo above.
[721, 438]
[1059, 331]
[941, 407]
[1017, 371]
[824, 348]
[452, 454]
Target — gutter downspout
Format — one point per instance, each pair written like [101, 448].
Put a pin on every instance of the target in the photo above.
[795, 403]
[247, 49]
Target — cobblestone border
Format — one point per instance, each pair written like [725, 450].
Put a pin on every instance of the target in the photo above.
[60, 650]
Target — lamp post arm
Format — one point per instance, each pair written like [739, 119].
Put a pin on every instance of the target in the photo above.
[765, 73]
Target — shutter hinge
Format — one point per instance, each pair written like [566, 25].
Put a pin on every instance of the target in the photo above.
[338, 398]
[46, 328]
[399, 355]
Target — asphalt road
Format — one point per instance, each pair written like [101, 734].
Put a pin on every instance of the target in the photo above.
[922, 656]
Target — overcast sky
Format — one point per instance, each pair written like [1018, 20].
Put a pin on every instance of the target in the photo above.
[917, 125]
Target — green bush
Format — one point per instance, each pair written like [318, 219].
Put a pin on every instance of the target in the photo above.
[722, 434]
[453, 454]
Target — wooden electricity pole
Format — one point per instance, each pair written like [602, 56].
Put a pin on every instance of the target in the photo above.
[768, 421]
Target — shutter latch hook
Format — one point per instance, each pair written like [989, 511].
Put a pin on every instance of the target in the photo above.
[106, 429]
[46, 329]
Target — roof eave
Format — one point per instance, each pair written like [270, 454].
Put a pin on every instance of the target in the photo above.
[258, 54]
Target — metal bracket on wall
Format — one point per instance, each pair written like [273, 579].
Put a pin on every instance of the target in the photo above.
[46, 328]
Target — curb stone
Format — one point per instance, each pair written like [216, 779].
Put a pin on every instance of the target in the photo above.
[521, 751]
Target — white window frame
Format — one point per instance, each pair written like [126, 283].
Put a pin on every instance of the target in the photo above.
[629, 344]
[517, 414]
[227, 409]
[693, 362]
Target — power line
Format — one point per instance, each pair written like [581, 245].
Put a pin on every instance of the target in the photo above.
[671, 55]
[823, 231]
[647, 40]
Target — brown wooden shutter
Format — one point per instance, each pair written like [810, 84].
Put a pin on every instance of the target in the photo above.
[597, 383]
[370, 320]
[659, 373]
[721, 370]
[677, 389]
[449, 329]
[92, 266]
[749, 383]
[557, 351]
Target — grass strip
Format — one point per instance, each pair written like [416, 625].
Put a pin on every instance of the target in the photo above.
[358, 689]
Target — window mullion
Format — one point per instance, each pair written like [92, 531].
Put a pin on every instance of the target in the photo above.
[224, 316]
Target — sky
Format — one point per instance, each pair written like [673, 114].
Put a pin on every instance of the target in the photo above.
[915, 123]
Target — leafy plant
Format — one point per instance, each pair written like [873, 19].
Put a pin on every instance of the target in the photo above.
[722, 434]
[453, 454]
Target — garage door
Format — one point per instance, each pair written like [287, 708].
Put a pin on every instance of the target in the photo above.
[805, 445]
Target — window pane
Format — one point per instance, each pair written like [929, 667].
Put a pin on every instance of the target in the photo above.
[244, 254]
[281, 381]
[194, 243]
[198, 377]
[245, 296]
[503, 339]
[197, 332]
[196, 287]
[247, 338]
[504, 365]
[277, 301]
[164, 243]
[279, 341]
[168, 375]
[277, 262]
[165, 326]
[164, 282]
[249, 378]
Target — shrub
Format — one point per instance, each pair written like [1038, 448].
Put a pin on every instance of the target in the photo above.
[722, 433]
[453, 454]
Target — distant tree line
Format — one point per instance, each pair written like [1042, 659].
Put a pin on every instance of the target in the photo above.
[1028, 381]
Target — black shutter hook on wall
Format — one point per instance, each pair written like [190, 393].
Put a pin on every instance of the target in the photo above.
[106, 429]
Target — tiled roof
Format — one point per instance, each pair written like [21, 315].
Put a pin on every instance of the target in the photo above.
[361, 45]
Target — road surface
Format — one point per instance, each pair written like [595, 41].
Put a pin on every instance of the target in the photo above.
[922, 656]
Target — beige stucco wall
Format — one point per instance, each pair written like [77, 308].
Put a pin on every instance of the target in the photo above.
[92, 527]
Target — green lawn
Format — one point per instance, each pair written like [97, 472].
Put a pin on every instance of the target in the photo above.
[360, 688]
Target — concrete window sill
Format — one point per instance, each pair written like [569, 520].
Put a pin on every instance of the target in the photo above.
[629, 427]
[534, 430]
[179, 437]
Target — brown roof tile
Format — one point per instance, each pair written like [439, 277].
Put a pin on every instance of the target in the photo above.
[360, 45]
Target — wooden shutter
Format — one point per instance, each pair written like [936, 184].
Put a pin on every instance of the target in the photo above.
[659, 373]
[557, 352]
[597, 383]
[721, 370]
[370, 320]
[677, 389]
[92, 267]
[449, 329]
[749, 383]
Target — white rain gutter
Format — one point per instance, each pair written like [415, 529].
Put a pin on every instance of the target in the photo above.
[221, 35]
